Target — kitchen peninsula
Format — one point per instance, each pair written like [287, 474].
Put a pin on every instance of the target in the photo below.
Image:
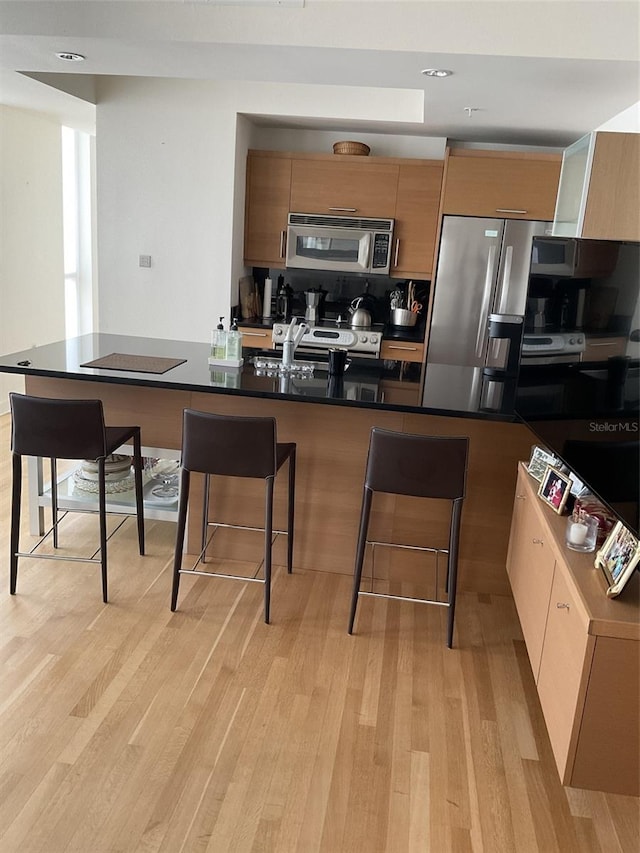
[329, 421]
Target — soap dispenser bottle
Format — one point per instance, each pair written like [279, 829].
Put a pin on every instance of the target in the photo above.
[234, 343]
[219, 342]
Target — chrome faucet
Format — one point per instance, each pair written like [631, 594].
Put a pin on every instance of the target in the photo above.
[291, 341]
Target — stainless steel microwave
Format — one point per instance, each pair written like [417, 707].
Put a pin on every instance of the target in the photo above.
[568, 257]
[339, 243]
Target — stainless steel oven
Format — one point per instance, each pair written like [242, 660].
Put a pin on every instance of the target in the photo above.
[552, 348]
[326, 334]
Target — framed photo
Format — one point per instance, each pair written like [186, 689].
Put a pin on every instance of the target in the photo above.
[540, 458]
[618, 558]
[555, 488]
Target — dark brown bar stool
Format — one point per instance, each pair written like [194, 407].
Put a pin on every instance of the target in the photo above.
[422, 466]
[233, 447]
[67, 429]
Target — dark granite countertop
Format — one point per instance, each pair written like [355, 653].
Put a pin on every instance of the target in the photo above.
[360, 387]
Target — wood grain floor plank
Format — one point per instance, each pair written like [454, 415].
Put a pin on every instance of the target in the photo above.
[126, 728]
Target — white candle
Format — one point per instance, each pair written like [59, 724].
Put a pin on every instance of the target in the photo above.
[577, 533]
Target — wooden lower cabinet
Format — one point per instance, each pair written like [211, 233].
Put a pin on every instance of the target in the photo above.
[530, 566]
[584, 649]
[401, 351]
[255, 338]
[600, 349]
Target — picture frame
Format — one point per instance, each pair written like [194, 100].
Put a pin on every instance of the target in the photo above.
[618, 558]
[555, 488]
[538, 462]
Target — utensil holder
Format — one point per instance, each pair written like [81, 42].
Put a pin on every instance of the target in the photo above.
[403, 317]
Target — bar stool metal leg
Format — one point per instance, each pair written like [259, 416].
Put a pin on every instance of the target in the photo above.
[291, 509]
[360, 549]
[185, 477]
[268, 533]
[16, 497]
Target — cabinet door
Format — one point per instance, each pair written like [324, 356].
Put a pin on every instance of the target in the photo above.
[267, 208]
[564, 660]
[505, 185]
[416, 217]
[356, 187]
[530, 566]
[613, 197]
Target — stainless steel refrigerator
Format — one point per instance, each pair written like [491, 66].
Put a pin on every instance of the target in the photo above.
[480, 293]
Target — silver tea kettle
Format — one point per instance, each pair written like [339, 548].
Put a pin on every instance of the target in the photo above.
[360, 317]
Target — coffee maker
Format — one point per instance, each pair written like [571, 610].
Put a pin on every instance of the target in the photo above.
[538, 316]
[312, 311]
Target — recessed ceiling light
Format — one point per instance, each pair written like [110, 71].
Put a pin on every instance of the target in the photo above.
[70, 57]
[436, 72]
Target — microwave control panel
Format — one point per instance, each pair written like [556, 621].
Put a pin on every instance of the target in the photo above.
[380, 251]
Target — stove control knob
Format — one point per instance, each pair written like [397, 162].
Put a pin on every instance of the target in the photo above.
[363, 339]
[277, 333]
[580, 341]
[572, 341]
[374, 339]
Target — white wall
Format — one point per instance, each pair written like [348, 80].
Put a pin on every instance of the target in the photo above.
[31, 241]
[171, 163]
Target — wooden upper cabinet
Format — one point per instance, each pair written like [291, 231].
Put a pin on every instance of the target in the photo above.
[599, 194]
[266, 209]
[416, 219]
[344, 186]
[506, 184]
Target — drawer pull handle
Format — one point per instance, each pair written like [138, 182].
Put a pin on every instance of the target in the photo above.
[395, 254]
[562, 605]
[409, 349]
[537, 541]
[344, 209]
[509, 210]
[255, 334]
[283, 235]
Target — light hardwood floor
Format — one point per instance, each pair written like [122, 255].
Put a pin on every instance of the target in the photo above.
[128, 728]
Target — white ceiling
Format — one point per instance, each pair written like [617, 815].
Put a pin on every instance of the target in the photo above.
[536, 73]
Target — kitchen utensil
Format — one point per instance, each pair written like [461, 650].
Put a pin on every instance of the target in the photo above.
[360, 318]
[396, 299]
[403, 317]
[415, 307]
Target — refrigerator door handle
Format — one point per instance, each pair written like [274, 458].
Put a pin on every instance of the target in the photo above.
[486, 299]
[501, 301]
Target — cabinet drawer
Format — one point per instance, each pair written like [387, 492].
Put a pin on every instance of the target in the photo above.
[401, 351]
[600, 349]
[564, 662]
[255, 338]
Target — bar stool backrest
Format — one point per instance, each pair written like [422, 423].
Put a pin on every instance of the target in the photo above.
[423, 466]
[57, 429]
[229, 446]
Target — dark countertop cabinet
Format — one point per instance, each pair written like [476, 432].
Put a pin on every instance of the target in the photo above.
[361, 386]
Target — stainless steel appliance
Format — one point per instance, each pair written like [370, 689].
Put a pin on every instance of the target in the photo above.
[481, 282]
[312, 311]
[326, 334]
[552, 348]
[339, 243]
[564, 257]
